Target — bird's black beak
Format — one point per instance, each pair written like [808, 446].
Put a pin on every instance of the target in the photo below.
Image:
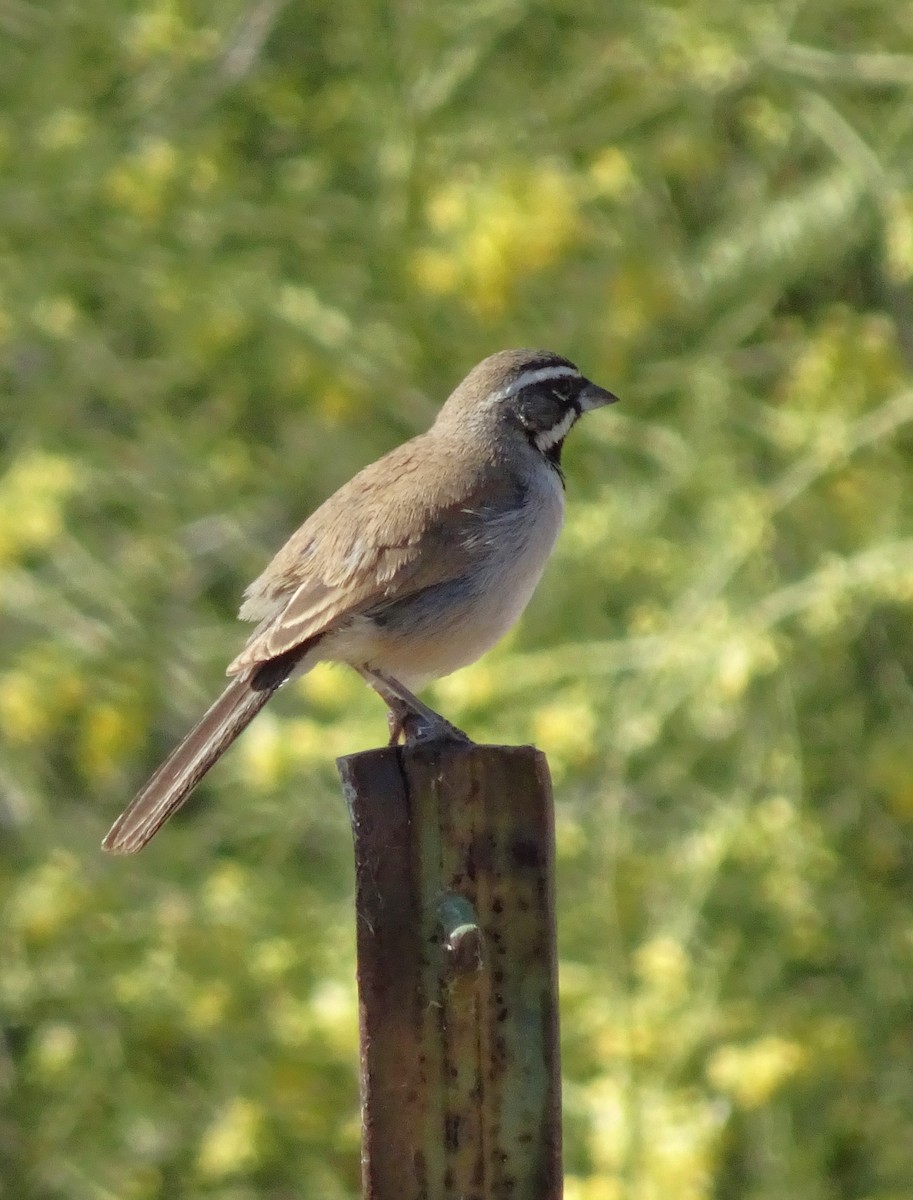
[593, 396]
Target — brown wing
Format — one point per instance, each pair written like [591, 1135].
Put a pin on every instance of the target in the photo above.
[390, 531]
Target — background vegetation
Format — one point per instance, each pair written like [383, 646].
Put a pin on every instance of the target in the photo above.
[245, 248]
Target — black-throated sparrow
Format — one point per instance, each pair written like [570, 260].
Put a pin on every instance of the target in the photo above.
[415, 567]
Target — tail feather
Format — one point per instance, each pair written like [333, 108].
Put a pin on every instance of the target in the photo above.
[183, 769]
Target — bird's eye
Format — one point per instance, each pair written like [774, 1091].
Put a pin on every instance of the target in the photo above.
[562, 393]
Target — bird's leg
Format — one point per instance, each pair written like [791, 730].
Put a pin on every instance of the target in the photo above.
[396, 723]
[408, 716]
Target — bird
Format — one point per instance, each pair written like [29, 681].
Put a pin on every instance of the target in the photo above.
[411, 570]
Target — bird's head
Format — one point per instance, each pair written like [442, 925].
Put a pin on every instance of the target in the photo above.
[532, 395]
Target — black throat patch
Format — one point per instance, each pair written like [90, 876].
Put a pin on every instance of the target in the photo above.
[553, 455]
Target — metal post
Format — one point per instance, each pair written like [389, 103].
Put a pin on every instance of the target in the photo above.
[454, 854]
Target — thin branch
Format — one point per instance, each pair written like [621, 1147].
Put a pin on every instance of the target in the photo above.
[875, 69]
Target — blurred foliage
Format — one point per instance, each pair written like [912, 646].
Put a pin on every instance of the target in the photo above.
[245, 248]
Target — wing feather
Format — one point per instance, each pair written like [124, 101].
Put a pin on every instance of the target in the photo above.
[389, 532]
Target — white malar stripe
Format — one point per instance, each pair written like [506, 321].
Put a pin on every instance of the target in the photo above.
[529, 377]
[557, 433]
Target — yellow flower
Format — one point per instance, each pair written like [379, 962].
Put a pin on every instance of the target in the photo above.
[226, 893]
[48, 898]
[108, 732]
[490, 232]
[567, 729]
[330, 688]
[23, 714]
[272, 959]
[847, 363]
[474, 685]
[898, 250]
[663, 967]
[54, 1049]
[751, 1074]
[611, 173]
[206, 1008]
[231, 1143]
[63, 130]
[262, 754]
[141, 183]
[302, 308]
[437, 272]
[333, 1007]
[32, 495]
[660, 1141]
[596, 1187]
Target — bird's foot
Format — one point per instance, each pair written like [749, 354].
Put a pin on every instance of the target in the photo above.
[410, 718]
[416, 728]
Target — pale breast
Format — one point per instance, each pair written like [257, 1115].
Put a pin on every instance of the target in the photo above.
[450, 625]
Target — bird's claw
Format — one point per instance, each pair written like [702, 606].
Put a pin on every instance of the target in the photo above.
[415, 729]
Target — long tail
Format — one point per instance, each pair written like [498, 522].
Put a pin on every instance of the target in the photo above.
[180, 773]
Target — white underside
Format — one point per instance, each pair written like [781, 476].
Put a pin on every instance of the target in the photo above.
[455, 632]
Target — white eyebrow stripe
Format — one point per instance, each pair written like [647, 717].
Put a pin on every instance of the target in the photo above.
[550, 437]
[528, 377]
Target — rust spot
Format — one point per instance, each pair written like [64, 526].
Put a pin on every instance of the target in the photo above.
[420, 1170]
[478, 1177]
[479, 855]
[452, 1131]
[526, 853]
